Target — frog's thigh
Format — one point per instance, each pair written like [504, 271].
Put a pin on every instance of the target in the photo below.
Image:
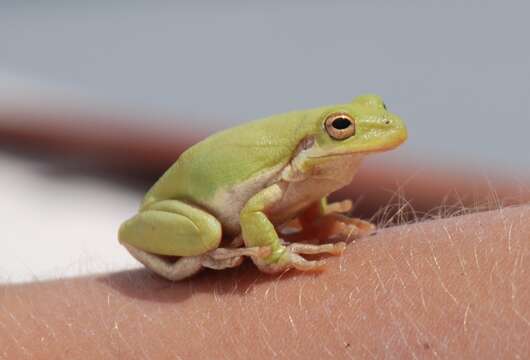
[172, 227]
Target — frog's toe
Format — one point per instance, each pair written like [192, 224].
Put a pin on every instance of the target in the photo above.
[227, 253]
[300, 263]
[364, 227]
[333, 249]
[356, 228]
[337, 226]
[340, 207]
[292, 258]
[289, 261]
[220, 264]
[223, 258]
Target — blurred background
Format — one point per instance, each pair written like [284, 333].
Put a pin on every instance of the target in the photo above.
[130, 84]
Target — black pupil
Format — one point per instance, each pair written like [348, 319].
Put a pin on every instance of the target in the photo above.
[341, 123]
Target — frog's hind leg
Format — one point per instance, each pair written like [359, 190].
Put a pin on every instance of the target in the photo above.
[171, 228]
[332, 249]
[223, 258]
[187, 266]
[292, 258]
[175, 228]
[182, 268]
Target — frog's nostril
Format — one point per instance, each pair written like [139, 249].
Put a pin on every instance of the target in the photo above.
[387, 122]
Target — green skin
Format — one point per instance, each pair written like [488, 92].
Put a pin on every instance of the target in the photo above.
[244, 182]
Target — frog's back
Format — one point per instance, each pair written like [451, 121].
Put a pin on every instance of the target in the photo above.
[257, 149]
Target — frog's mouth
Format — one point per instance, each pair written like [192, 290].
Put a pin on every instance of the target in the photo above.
[374, 149]
[336, 155]
[389, 145]
[385, 144]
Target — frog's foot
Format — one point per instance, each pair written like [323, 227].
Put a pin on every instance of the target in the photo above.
[187, 266]
[182, 268]
[323, 222]
[292, 258]
[329, 227]
[314, 213]
[340, 207]
[223, 258]
[342, 227]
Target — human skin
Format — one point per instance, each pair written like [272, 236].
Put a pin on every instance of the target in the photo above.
[449, 288]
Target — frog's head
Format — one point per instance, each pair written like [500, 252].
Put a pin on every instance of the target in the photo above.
[360, 127]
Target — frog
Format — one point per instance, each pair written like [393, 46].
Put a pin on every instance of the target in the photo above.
[260, 190]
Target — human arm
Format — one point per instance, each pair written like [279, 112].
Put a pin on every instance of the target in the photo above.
[455, 288]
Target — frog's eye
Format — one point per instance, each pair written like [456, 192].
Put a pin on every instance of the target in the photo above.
[340, 126]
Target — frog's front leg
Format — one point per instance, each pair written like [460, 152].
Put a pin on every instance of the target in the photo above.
[324, 221]
[258, 231]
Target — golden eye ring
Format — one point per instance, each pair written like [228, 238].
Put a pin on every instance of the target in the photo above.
[340, 126]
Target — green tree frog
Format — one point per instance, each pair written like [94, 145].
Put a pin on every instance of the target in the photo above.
[257, 190]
